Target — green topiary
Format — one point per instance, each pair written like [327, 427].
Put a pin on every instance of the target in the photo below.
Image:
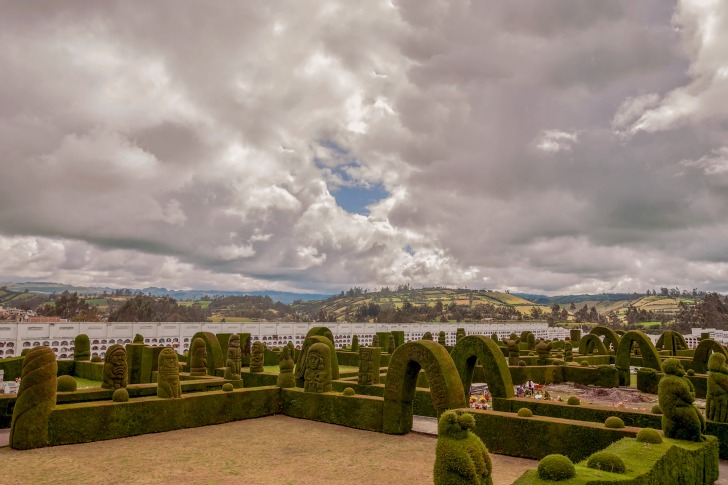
[227, 387]
[138, 339]
[532, 354]
[115, 373]
[441, 338]
[584, 363]
[460, 456]
[120, 395]
[525, 413]
[691, 372]
[607, 461]
[649, 435]
[558, 362]
[257, 357]
[391, 344]
[24, 352]
[82, 347]
[198, 358]
[681, 420]
[573, 401]
[66, 384]
[556, 468]
[355, 343]
[95, 358]
[614, 422]
[656, 409]
[168, 384]
[716, 400]
[427, 336]
[348, 391]
[375, 341]
[522, 363]
[285, 379]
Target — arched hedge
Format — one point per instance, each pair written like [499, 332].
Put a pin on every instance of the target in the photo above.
[672, 341]
[477, 348]
[702, 353]
[446, 388]
[591, 343]
[215, 359]
[650, 357]
[611, 338]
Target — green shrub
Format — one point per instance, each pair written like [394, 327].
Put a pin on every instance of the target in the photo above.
[649, 435]
[227, 387]
[557, 362]
[460, 455]
[521, 363]
[120, 395]
[556, 467]
[573, 401]
[584, 363]
[82, 347]
[66, 384]
[691, 372]
[349, 391]
[614, 422]
[656, 409]
[606, 461]
[531, 354]
[525, 413]
[95, 358]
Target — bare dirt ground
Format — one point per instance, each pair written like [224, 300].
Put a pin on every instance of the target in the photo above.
[273, 450]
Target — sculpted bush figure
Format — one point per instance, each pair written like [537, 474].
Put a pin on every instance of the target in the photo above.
[681, 419]
[198, 358]
[168, 385]
[115, 368]
[234, 359]
[369, 361]
[138, 339]
[317, 377]
[568, 352]
[257, 357]
[285, 377]
[375, 341]
[542, 349]
[460, 456]
[513, 349]
[716, 402]
[391, 344]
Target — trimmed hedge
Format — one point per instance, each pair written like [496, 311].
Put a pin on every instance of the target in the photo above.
[555, 468]
[36, 400]
[650, 357]
[460, 456]
[475, 348]
[362, 412]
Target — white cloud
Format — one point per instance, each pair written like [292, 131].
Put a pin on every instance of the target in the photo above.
[554, 141]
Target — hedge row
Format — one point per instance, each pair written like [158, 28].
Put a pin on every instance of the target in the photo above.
[361, 412]
[599, 376]
[668, 462]
[85, 422]
[647, 380]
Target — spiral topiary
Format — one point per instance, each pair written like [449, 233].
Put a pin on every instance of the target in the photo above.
[120, 395]
[525, 413]
[614, 422]
[556, 468]
[606, 461]
[66, 384]
[348, 391]
[656, 409]
[649, 435]
[573, 401]
[227, 387]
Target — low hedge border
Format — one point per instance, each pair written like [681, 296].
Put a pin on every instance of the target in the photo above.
[647, 380]
[361, 412]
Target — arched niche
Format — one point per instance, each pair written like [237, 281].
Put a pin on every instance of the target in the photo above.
[650, 357]
[592, 344]
[611, 338]
[477, 348]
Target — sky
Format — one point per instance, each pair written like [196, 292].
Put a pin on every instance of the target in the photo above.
[567, 146]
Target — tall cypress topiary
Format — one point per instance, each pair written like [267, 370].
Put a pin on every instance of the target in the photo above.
[460, 456]
[355, 344]
[391, 345]
[36, 400]
[441, 338]
[82, 347]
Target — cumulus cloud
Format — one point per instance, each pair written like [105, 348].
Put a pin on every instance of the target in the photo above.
[518, 144]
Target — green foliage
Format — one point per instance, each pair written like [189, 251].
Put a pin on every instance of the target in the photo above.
[460, 456]
[138, 339]
[691, 372]
[573, 401]
[427, 336]
[355, 343]
[656, 409]
[285, 377]
[584, 363]
[349, 391]
[556, 468]
[522, 363]
[227, 387]
[525, 413]
[650, 356]
[95, 358]
[66, 384]
[649, 435]
[614, 422]
[120, 395]
[36, 400]
[82, 347]
[441, 338]
[391, 344]
[490, 356]
[607, 461]
[143, 308]
[680, 418]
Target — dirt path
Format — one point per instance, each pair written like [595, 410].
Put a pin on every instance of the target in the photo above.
[274, 450]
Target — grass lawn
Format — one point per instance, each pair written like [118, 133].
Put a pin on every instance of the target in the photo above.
[85, 383]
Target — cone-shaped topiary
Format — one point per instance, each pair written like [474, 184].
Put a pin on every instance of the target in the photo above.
[649, 435]
[66, 384]
[349, 391]
[681, 420]
[82, 347]
[525, 413]
[285, 377]
[355, 344]
[227, 387]
[441, 338]
[555, 468]
[460, 456]
[613, 422]
[606, 461]
[573, 401]
[120, 395]
[36, 400]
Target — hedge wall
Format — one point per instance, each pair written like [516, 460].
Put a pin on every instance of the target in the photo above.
[12, 366]
[258, 379]
[647, 380]
[80, 423]
[536, 437]
[362, 412]
[666, 463]
[93, 371]
[421, 406]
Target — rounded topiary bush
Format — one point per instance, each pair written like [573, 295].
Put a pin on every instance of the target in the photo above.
[555, 467]
[557, 362]
[66, 384]
[573, 401]
[649, 435]
[521, 363]
[691, 372]
[614, 422]
[531, 354]
[656, 409]
[525, 413]
[349, 391]
[584, 363]
[120, 395]
[95, 358]
[606, 461]
[227, 387]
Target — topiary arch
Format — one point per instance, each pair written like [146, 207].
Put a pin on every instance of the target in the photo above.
[592, 344]
[702, 353]
[446, 388]
[672, 341]
[650, 357]
[477, 348]
[215, 359]
[611, 338]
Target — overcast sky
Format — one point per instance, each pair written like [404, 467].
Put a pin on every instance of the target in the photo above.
[566, 146]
